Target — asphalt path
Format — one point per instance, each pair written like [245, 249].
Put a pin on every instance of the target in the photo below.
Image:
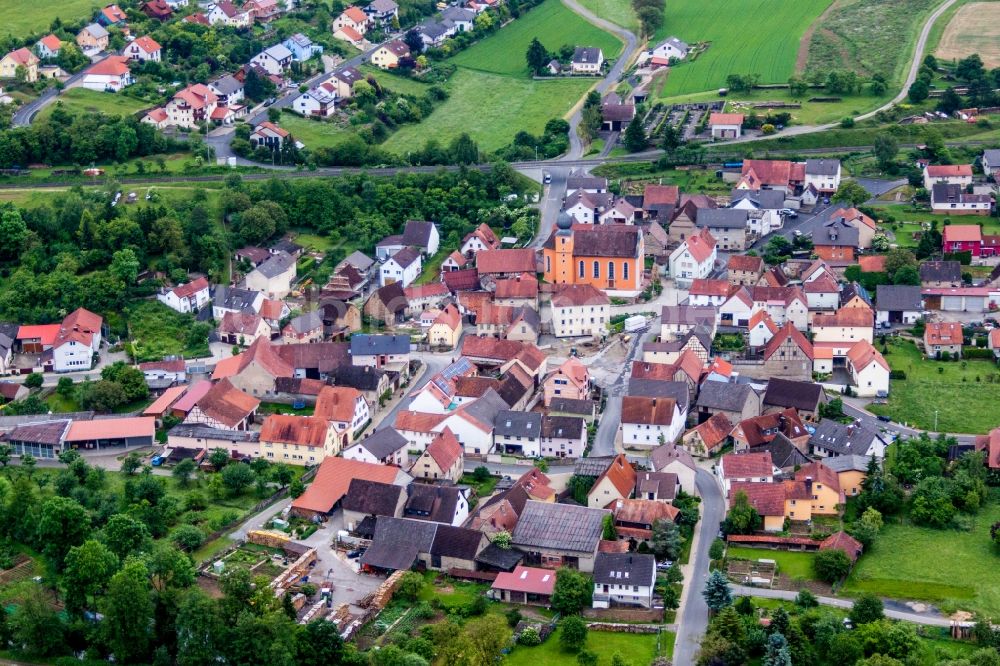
[27, 112]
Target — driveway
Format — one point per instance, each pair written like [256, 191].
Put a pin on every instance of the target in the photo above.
[335, 569]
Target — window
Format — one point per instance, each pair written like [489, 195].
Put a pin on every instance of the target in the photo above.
[625, 271]
[548, 264]
[611, 271]
[597, 269]
[581, 269]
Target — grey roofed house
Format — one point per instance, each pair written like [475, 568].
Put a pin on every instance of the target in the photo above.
[359, 259]
[677, 44]
[842, 439]
[456, 542]
[350, 76]
[624, 568]
[942, 271]
[278, 52]
[96, 30]
[518, 424]
[822, 167]
[304, 323]
[397, 542]
[584, 181]
[898, 298]
[785, 393]
[562, 427]
[592, 466]
[233, 298]
[586, 55]
[378, 345]
[722, 218]
[285, 245]
[584, 408]
[458, 14]
[198, 431]
[511, 390]
[761, 199]
[361, 377]
[836, 232]
[953, 193]
[850, 462]
[382, 6]
[559, 527]
[383, 443]
[694, 315]
[784, 455]
[432, 30]
[657, 388]
[433, 503]
[372, 497]
[300, 40]
[418, 233]
[992, 157]
[226, 84]
[662, 456]
[406, 256]
[661, 484]
[9, 329]
[276, 265]
[724, 396]
[486, 408]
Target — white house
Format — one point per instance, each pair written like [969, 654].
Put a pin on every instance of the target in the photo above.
[404, 267]
[694, 258]
[379, 351]
[763, 207]
[563, 437]
[954, 200]
[664, 51]
[226, 13]
[823, 174]
[191, 106]
[868, 369]
[228, 89]
[274, 277]
[991, 162]
[78, 340]
[344, 407]
[748, 467]
[518, 433]
[472, 424]
[726, 125]
[319, 101]
[353, 18]
[648, 422]
[48, 47]
[948, 174]
[580, 310]
[164, 373]
[186, 297]
[275, 59]
[418, 428]
[624, 579]
[587, 60]
[143, 49]
[110, 75]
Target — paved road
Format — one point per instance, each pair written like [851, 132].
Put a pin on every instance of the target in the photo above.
[693, 613]
[893, 609]
[26, 113]
[607, 429]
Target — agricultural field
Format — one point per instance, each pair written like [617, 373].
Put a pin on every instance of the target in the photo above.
[726, 24]
[975, 28]
[552, 23]
[492, 108]
[80, 101]
[619, 12]
[20, 18]
[962, 394]
[869, 37]
[906, 563]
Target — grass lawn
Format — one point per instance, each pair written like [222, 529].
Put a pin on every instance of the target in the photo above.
[158, 331]
[795, 565]
[398, 83]
[450, 592]
[552, 23]
[636, 648]
[951, 568]
[81, 101]
[960, 402]
[513, 104]
[619, 12]
[771, 53]
[315, 133]
[811, 113]
[20, 18]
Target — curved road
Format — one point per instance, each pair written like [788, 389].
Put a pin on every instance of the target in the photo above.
[27, 112]
[892, 611]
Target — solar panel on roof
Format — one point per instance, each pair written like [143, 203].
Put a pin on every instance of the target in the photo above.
[459, 367]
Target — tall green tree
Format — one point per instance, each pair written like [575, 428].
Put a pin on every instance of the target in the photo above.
[666, 540]
[128, 612]
[717, 593]
[199, 631]
[125, 535]
[89, 567]
[572, 592]
[885, 149]
[537, 57]
[64, 523]
[851, 193]
[634, 138]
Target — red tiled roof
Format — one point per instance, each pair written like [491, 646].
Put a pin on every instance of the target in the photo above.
[845, 317]
[527, 579]
[291, 429]
[163, 403]
[943, 333]
[240, 323]
[845, 542]
[444, 449]
[788, 331]
[949, 170]
[429, 290]
[337, 403]
[355, 14]
[660, 194]
[767, 538]
[351, 33]
[747, 464]
[271, 309]
[707, 287]
[523, 286]
[769, 172]
[191, 288]
[715, 430]
[579, 294]
[763, 316]
[227, 404]
[953, 233]
[85, 431]
[194, 393]
[333, 479]
[520, 260]
[417, 421]
[574, 370]
[642, 511]
[147, 44]
[461, 280]
[701, 245]
[824, 284]
[45, 332]
[725, 119]
[762, 429]
[742, 262]
[818, 472]
[767, 498]
[51, 42]
[449, 317]
[863, 353]
[621, 474]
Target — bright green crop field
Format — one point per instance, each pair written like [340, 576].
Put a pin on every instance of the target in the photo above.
[21, 18]
[747, 37]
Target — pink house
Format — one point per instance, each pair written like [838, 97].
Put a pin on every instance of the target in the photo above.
[570, 380]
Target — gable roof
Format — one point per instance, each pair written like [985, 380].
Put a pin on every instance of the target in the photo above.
[665, 455]
[337, 403]
[624, 568]
[576, 295]
[291, 429]
[898, 297]
[621, 474]
[521, 260]
[397, 542]
[51, 42]
[788, 332]
[700, 245]
[227, 404]
[602, 240]
[374, 498]
[784, 453]
[767, 498]
[843, 541]
[941, 271]
[649, 411]
[444, 449]
[764, 428]
[862, 354]
[747, 464]
[805, 396]
[530, 580]
[842, 438]
[715, 430]
[561, 527]
[724, 396]
[949, 170]
[943, 333]
[377, 345]
[333, 480]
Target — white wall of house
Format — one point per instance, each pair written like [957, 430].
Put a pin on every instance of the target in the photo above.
[72, 355]
[869, 381]
[646, 435]
[579, 320]
[392, 272]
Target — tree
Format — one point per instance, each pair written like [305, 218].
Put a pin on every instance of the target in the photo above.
[919, 91]
[572, 592]
[931, 503]
[866, 608]
[717, 549]
[102, 396]
[852, 193]
[667, 540]
[218, 458]
[650, 19]
[125, 266]
[897, 259]
[797, 87]
[65, 387]
[198, 630]
[125, 535]
[35, 625]
[131, 464]
[885, 149]
[634, 137]
[89, 567]
[237, 478]
[831, 565]
[34, 380]
[573, 633]
[777, 653]
[806, 599]
[410, 586]
[742, 517]
[62, 525]
[907, 275]
[463, 149]
[502, 540]
[537, 57]
[183, 471]
[717, 594]
[296, 488]
[187, 537]
[128, 611]
[868, 526]
[131, 379]
[671, 138]
[609, 533]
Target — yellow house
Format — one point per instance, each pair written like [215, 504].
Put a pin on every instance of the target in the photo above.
[815, 490]
[851, 471]
[822, 487]
[442, 459]
[389, 54]
[297, 440]
[22, 57]
[446, 329]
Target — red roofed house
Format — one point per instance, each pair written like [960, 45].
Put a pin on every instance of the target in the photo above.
[616, 483]
[224, 11]
[268, 135]
[506, 263]
[705, 438]
[760, 430]
[48, 46]
[949, 174]
[962, 238]
[189, 297]
[868, 369]
[443, 458]
[865, 225]
[943, 337]
[35, 339]
[525, 585]
[298, 440]
[649, 422]
[519, 291]
[570, 380]
[990, 443]
[479, 239]
[726, 125]
[446, 329]
[111, 15]
[21, 57]
[144, 49]
[104, 433]
[157, 9]
[771, 175]
[634, 518]
[109, 75]
[224, 406]
[322, 496]
[748, 467]
[354, 18]
[695, 258]
[344, 407]
[845, 542]
[78, 341]
[704, 291]
[788, 354]
[243, 328]
[580, 310]
[744, 270]
[191, 106]
[872, 263]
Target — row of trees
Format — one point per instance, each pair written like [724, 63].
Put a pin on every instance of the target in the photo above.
[969, 73]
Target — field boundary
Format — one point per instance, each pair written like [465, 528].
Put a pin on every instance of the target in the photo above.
[802, 58]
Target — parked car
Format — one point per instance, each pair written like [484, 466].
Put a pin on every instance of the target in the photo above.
[788, 212]
[883, 417]
[156, 461]
[547, 178]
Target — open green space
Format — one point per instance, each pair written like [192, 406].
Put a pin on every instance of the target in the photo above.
[636, 648]
[619, 12]
[810, 113]
[20, 19]
[794, 565]
[776, 27]
[81, 101]
[491, 108]
[157, 331]
[947, 390]
[552, 23]
[952, 568]
[398, 83]
[316, 133]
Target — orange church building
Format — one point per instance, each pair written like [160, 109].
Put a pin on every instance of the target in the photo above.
[607, 257]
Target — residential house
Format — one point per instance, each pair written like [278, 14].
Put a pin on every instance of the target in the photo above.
[735, 401]
[403, 267]
[785, 455]
[518, 433]
[620, 212]
[442, 459]
[243, 328]
[91, 39]
[840, 330]
[109, 75]
[387, 305]
[191, 106]
[188, 297]
[525, 585]
[479, 239]
[760, 329]
[423, 236]
[19, 59]
[263, 11]
[274, 59]
[517, 292]
[319, 101]
[580, 310]
[649, 422]
[823, 175]
[420, 298]
[473, 423]
[664, 51]
[226, 299]
[707, 437]
[354, 18]
[159, 10]
[624, 579]
[744, 270]
[48, 47]
[345, 408]
[610, 258]
[962, 238]
[385, 446]
[437, 503]
[866, 226]
[615, 483]
[587, 60]
[676, 321]
[694, 258]
[708, 292]
[684, 217]
[725, 125]
[226, 13]
[898, 304]
[941, 274]
[367, 501]
[268, 135]
[274, 277]
[163, 374]
[506, 263]
[836, 242]
[297, 440]
[586, 207]
[822, 294]
[257, 369]
[388, 55]
[804, 397]
[446, 329]
[672, 459]
[763, 209]
[947, 174]
[77, 341]
[772, 175]
[852, 470]
[381, 351]
[555, 535]
[323, 496]
[990, 161]
[570, 380]
[762, 429]
[868, 369]
[224, 406]
[111, 15]
[747, 467]
[954, 200]
[306, 327]
[382, 12]
[943, 337]
[832, 439]
[563, 436]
